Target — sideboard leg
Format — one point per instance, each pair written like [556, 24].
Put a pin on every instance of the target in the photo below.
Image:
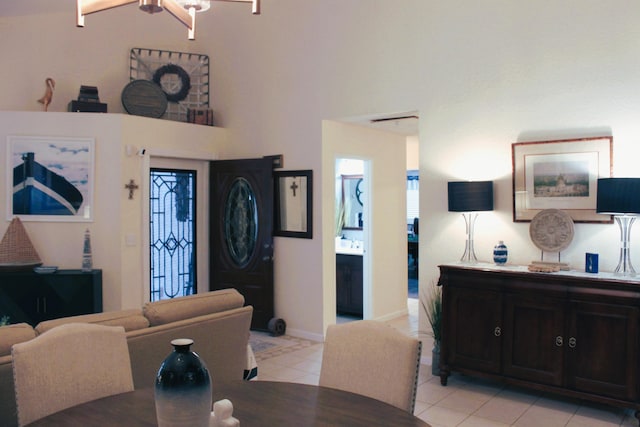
[444, 376]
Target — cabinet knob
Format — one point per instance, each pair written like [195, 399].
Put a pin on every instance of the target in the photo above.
[497, 331]
[559, 341]
[572, 342]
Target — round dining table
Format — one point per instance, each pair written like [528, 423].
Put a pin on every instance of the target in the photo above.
[255, 403]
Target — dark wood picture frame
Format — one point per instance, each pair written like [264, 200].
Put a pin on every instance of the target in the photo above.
[293, 204]
[560, 174]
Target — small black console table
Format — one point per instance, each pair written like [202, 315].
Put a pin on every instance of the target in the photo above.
[570, 333]
[26, 296]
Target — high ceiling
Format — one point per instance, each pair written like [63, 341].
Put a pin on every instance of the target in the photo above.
[404, 123]
[28, 7]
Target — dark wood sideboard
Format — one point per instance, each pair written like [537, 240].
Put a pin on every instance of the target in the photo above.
[26, 296]
[574, 334]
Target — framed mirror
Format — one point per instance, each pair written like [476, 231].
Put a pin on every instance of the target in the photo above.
[293, 192]
[352, 199]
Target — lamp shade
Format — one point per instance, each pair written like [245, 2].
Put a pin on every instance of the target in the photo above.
[469, 196]
[617, 196]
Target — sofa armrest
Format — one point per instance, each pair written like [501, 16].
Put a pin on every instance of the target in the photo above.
[220, 339]
[14, 334]
[8, 408]
[172, 310]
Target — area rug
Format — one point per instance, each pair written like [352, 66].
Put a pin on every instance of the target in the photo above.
[266, 347]
[258, 345]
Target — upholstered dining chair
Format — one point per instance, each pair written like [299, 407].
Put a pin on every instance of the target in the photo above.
[68, 365]
[373, 359]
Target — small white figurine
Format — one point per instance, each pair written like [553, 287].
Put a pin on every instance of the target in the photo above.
[222, 415]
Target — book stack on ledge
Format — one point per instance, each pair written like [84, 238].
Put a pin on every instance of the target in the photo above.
[88, 101]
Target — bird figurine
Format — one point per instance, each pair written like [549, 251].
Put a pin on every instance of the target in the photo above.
[48, 94]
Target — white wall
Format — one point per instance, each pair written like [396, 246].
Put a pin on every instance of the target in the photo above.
[482, 74]
[61, 243]
[116, 219]
[523, 72]
[413, 152]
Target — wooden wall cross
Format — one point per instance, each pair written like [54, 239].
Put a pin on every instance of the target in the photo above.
[131, 186]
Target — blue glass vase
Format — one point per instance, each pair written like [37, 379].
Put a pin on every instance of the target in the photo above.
[183, 388]
[500, 253]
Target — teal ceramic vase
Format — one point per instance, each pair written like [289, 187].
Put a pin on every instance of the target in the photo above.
[183, 388]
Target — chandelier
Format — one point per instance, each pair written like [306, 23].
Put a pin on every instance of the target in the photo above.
[183, 10]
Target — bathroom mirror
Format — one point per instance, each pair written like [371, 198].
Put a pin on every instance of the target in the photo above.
[352, 198]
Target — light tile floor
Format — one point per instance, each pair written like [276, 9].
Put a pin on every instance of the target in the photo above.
[465, 401]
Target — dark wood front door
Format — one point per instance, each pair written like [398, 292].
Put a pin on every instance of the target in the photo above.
[241, 241]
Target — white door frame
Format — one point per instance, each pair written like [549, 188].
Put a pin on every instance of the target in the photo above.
[202, 217]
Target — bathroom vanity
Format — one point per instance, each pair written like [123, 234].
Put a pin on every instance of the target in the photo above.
[349, 281]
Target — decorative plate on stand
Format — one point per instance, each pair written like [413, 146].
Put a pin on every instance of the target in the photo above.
[551, 230]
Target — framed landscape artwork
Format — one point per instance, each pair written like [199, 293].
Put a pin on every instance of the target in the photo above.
[561, 174]
[50, 178]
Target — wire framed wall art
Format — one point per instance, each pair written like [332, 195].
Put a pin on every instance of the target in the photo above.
[183, 76]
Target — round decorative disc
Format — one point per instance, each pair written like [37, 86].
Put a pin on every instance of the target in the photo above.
[551, 230]
[144, 98]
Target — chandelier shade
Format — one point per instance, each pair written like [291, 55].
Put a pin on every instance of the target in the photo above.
[183, 10]
[198, 5]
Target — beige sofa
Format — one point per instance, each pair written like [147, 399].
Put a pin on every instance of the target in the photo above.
[217, 321]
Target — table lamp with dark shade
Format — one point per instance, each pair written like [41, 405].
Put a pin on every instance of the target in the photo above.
[470, 197]
[620, 197]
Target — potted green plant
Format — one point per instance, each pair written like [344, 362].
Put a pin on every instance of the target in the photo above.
[432, 306]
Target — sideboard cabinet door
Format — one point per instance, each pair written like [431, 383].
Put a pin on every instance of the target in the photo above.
[473, 328]
[534, 340]
[602, 356]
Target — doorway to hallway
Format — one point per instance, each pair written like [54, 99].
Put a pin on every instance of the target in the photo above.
[413, 226]
[385, 227]
[351, 224]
